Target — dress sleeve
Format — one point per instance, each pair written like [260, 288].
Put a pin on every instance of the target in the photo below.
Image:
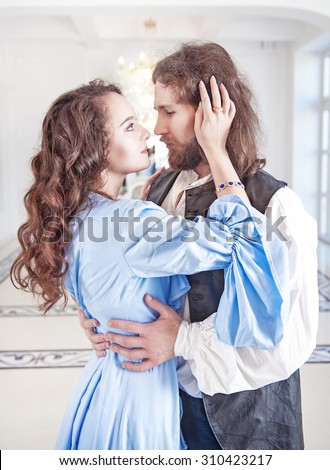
[222, 368]
[254, 305]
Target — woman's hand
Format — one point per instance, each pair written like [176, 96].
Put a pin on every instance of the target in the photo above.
[146, 187]
[213, 119]
[212, 124]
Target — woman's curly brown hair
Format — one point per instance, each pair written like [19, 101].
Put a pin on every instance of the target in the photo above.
[193, 62]
[68, 166]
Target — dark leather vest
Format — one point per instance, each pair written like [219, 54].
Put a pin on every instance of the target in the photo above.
[267, 418]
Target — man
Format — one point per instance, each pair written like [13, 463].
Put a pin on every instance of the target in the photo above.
[233, 398]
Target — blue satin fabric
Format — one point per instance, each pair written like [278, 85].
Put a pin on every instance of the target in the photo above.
[114, 262]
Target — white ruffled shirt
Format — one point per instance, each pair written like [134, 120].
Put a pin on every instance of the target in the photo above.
[211, 366]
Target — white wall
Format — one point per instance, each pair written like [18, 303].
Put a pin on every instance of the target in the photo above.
[8, 180]
[268, 72]
[306, 143]
[35, 74]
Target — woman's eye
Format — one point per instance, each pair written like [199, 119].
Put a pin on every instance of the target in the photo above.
[131, 126]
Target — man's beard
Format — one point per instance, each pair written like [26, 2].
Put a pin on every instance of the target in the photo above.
[187, 157]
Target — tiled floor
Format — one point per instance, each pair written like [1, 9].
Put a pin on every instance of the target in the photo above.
[41, 358]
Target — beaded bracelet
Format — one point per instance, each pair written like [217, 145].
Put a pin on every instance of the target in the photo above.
[223, 186]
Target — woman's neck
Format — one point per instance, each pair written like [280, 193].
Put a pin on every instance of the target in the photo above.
[112, 185]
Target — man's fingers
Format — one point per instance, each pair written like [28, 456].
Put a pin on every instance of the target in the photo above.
[124, 340]
[101, 346]
[156, 304]
[139, 366]
[95, 338]
[102, 353]
[131, 354]
[129, 326]
[81, 314]
[88, 323]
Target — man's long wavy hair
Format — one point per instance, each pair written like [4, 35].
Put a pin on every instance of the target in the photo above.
[69, 165]
[193, 62]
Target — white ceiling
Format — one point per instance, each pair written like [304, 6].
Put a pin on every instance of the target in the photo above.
[94, 22]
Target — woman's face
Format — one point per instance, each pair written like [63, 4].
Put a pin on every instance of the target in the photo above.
[128, 139]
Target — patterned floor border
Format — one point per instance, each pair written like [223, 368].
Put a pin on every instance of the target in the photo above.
[33, 311]
[44, 359]
[79, 357]
[320, 354]
[324, 292]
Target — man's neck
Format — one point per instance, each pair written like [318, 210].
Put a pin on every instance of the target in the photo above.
[202, 169]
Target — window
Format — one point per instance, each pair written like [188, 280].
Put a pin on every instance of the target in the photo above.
[324, 220]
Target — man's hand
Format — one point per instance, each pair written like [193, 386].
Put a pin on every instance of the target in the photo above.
[155, 343]
[99, 343]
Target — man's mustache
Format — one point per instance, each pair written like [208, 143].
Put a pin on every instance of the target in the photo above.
[165, 141]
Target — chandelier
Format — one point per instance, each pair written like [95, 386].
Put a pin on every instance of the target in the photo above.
[136, 79]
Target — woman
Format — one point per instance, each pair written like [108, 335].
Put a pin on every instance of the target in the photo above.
[108, 253]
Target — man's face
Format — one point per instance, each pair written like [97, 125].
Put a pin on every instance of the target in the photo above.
[175, 123]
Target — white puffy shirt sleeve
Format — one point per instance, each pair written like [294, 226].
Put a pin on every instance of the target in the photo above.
[222, 368]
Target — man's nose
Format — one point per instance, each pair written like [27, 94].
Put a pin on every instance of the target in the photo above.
[160, 127]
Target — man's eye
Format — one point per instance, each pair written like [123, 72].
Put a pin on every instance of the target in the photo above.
[169, 113]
